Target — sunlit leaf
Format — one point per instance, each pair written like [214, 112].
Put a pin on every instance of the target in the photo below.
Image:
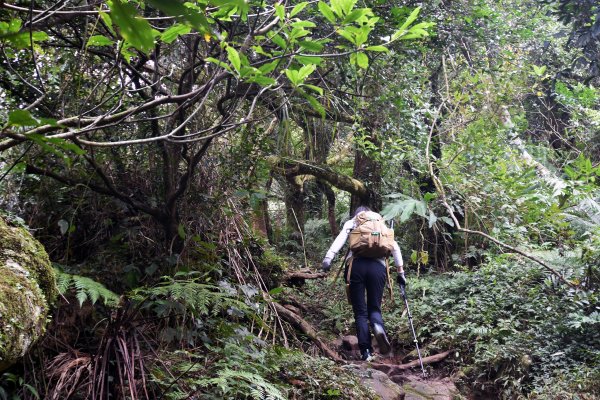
[99, 40]
[174, 32]
[234, 58]
[298, 8]
[326, 11]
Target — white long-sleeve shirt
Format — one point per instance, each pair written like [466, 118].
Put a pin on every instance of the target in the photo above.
[339, 241]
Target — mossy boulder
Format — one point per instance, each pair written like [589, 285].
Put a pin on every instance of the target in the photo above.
[27, 289]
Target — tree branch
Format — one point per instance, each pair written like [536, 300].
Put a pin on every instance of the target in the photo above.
[291, 168]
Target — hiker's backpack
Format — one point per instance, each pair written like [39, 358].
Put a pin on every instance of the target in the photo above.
[371, 238]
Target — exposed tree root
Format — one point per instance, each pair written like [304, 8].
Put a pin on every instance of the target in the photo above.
[395, 369]
[306, 328]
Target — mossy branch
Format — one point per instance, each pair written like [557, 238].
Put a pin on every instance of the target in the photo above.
[291, 168]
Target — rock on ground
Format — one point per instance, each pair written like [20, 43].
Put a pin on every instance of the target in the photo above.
[418, 388]
[27, 289]
[378, 381]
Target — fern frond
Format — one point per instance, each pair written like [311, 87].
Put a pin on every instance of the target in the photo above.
[85, 289]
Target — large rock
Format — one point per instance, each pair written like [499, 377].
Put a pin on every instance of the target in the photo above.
[27, 289]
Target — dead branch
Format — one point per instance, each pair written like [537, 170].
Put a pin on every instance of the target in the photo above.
[303, 274]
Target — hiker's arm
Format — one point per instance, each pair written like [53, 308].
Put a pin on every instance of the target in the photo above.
[339, 241]
[398, 258]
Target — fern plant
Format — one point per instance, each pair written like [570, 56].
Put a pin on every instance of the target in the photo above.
[86, 289]
[244, 383]
[184, 294]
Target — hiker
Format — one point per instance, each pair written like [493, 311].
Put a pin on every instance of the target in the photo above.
[368, 274]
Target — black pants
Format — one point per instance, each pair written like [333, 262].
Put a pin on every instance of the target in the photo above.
[368, 275]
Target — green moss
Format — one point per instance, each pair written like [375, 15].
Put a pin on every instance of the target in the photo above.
[27, 288]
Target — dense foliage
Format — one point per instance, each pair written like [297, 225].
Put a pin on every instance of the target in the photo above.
[181, 161]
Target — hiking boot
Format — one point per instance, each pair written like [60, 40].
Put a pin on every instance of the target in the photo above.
[366, 355]
[382, 339]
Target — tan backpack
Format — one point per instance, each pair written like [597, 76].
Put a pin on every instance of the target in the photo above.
[371, 238]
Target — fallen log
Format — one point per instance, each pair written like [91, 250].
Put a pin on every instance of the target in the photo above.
[305, 327]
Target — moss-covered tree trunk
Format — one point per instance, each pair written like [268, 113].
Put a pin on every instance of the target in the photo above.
[27, 288]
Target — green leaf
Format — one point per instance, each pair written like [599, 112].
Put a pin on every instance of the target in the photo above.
[447, 220]
[315, 88]
[362, 60]
[219, 63]
[181, 231]
[136, 30]
[354, 15]
[298, 33]
[381, 49]
[292, 76]
[279, 41]
[432, 219]
[326, 11]
[99, 40]
[316, 105]
[108, 21]
[234, 58]
[280, 11]
[311, 45]
[411, 18]
[298, 7]
[304, 24]
[345, 6]
[347, 34]
[275, 291]
[22, 118]
[65, 145]
[305, 71]
[269, 67]
[81, 297]
[336, 6]
[176, 9]
[174, 32]
[306, 60]
[408, 210]
[262, 80]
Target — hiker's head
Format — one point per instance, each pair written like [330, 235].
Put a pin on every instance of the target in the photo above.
[360, 209]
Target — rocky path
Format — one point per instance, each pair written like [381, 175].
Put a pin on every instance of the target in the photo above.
[389, 383]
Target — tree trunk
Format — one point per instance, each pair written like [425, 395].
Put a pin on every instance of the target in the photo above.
[368, 171]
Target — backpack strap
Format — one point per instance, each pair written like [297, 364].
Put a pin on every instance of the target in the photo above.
[389, 278]
[337, 275]
[348, 280]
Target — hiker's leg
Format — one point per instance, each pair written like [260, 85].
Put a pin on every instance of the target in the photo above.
[359, 306]
[375, 284]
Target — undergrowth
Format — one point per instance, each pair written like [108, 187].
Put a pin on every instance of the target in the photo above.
[515, 330]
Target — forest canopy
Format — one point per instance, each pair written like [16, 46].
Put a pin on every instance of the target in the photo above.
[187, 164]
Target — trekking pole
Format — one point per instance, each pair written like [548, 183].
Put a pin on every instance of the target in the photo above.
[410, 320]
